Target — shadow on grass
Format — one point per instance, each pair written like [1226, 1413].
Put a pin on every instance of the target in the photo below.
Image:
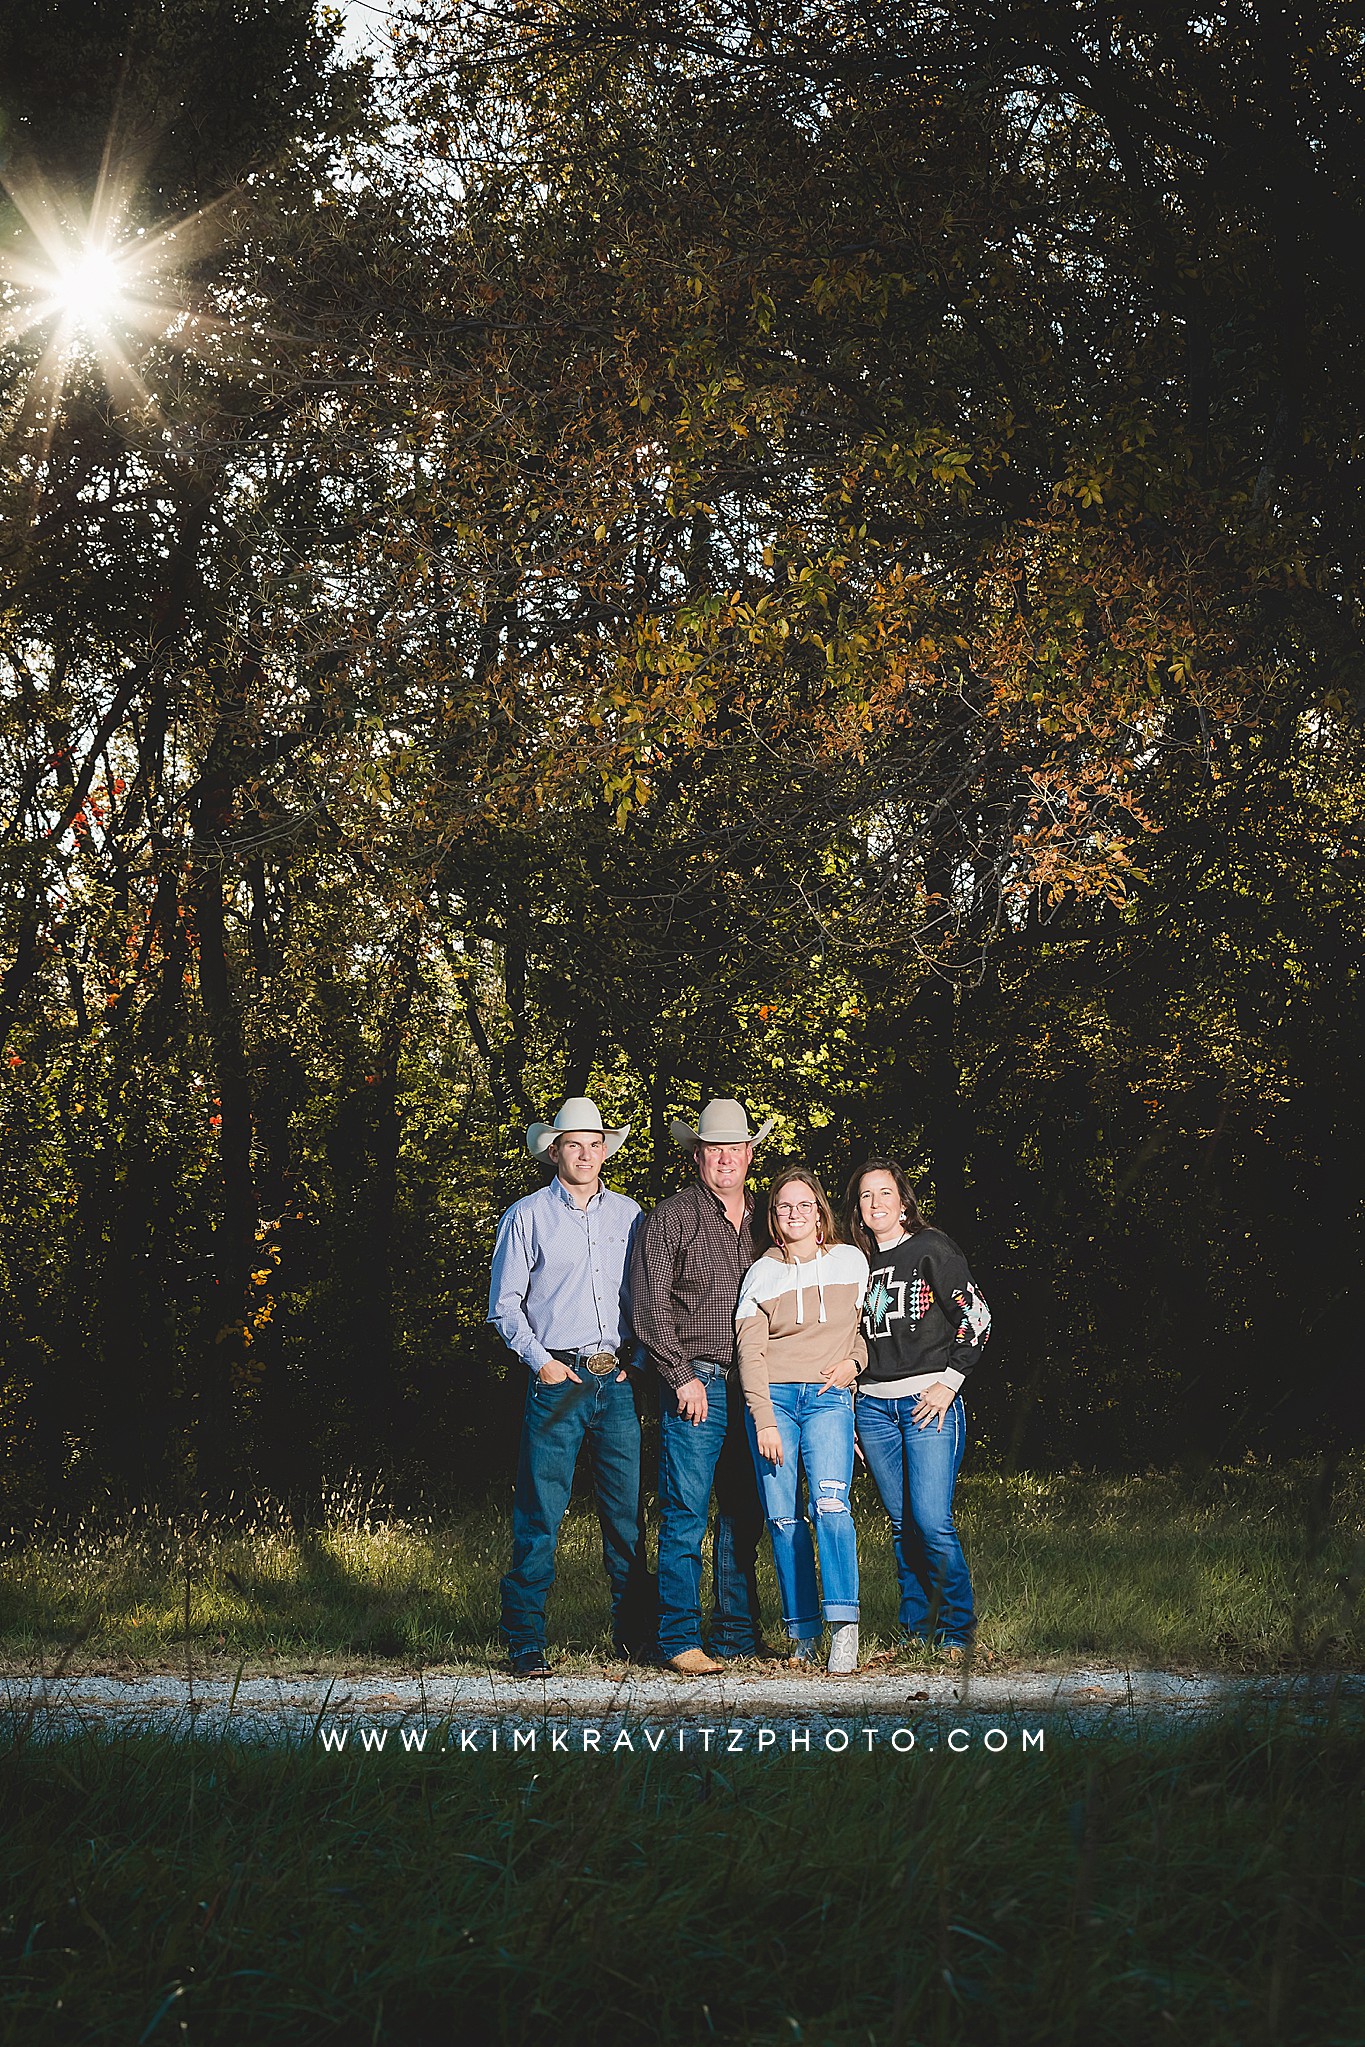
[1199, 1888]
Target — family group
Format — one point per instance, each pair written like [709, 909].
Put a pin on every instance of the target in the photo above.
[781, 1348]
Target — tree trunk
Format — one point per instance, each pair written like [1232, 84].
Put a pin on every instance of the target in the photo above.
[228, 1370]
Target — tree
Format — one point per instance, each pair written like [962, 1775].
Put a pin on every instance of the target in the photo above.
[148, 451]
[792, 553]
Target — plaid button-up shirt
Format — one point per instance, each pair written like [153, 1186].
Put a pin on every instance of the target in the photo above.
[685, 1272]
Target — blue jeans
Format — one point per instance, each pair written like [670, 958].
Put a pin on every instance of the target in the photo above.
[694, 1456]
[915, 1471]
[554, 1426]
[816, 1428]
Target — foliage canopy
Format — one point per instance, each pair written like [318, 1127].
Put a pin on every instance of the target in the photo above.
[811, 552]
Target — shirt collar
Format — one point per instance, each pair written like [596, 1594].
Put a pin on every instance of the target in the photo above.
[716, 1201]
[558, 1188]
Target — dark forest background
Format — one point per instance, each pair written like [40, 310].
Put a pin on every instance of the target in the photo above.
[807, 549]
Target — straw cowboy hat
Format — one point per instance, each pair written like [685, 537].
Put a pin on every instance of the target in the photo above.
[720, 1122]
[578, 1113]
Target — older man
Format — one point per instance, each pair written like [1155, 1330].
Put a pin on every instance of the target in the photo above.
[690, 1256]
[560, 1298]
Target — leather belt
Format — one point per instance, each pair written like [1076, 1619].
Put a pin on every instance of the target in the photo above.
[598, 1362]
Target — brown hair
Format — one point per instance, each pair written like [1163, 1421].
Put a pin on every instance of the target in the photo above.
[858, 1230]
[828, 1229]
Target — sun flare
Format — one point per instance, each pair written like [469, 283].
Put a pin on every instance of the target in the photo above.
[90, 290]
[83, 287]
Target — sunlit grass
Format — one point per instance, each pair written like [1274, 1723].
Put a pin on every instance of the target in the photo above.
[1198, 1888]
[1249, 1568]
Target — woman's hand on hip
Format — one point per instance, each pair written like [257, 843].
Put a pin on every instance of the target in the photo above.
[932, 1405]
[770, 1444]
[843, 1375]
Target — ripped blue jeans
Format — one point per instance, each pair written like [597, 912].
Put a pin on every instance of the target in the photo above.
[817, 1437]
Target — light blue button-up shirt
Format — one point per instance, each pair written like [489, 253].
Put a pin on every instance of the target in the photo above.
[559, 1279]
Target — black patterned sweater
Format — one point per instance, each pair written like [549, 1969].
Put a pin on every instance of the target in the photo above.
[923, 1316]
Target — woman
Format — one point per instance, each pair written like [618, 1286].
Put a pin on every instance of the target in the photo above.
[925, 1324]
[799, 1353]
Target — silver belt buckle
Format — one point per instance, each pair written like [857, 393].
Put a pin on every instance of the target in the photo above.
[600, 1362]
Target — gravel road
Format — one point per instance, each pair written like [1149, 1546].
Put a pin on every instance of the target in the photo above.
[294, 1709]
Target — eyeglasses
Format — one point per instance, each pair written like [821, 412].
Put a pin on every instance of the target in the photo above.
[794, 1208]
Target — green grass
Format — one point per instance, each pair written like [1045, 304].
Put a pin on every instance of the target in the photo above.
[1248, 1568]
[1201, 1888]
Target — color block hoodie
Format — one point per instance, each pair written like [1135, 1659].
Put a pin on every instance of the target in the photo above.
[793, 1319]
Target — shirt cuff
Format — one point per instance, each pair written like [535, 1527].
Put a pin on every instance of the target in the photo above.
[957, 1380]
[674, 1375]
[533, 1360]
[760, 1406]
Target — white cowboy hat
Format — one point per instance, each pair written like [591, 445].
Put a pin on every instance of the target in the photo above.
[720, 1122]
[578, 1113]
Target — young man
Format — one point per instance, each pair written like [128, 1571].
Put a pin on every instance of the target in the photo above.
[690, 1256]
[560, 1298]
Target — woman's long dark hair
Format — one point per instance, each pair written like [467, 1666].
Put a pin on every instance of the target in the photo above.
[857, 1228]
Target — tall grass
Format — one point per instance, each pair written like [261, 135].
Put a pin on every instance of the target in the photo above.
[1202, 1888]
[1251, 1568]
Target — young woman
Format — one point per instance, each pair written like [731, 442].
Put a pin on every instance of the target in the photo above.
[799, 1353]
[925, 1324]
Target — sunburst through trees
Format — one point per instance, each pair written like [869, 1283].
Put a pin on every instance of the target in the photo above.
[96, 288]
